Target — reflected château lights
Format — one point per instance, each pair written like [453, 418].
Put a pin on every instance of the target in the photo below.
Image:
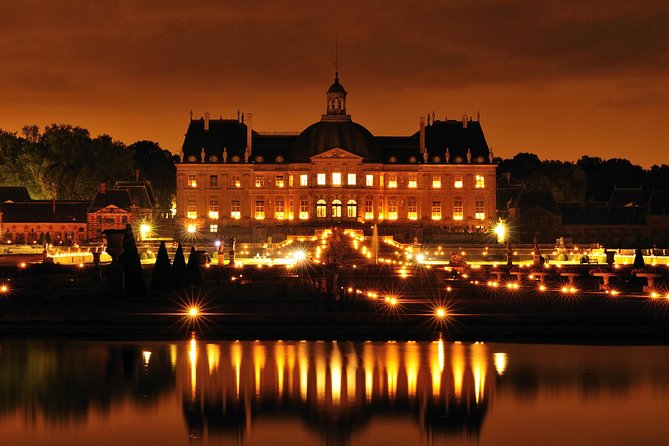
[438, 382]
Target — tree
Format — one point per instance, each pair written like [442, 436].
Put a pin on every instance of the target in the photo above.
[157, 166]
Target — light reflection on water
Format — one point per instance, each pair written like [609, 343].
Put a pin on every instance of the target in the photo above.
[203, 392]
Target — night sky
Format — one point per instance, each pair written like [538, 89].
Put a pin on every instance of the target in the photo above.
[548, 77]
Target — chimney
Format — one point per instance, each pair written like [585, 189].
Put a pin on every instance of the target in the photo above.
[464, 121]
[249, 136]
[206, 121]
[422, 134]
[102, 188]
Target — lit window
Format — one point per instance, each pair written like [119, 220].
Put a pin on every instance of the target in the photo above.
[413, 182]
[479, 210]
[457, 209]
[291, 214]
[213, 228]
[320, 179]
[304, 209]
[213, 180]
[260, 210]
[457, 182]
[336, 178]
[336, 209]
[392, 209]
[290, 181]
[278, 182]
[412, 210]
[392, 181]
[260, 181]
[369, 209]
[235, 210]
[236, 182]
[480, 182]
[192, 181]
[304, 180]
[351, 179]
[436, 182]
[321, 209]
[351, 209]
[213, 209]
[369, 180]
[278, 210]
[191, 212]
[436, 210]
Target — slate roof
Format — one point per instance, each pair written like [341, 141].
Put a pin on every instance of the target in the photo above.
[43, 212]
[627, 197]
[658, 203]
[348, 135]
[464, 141]
[141, 193]
[14, 194]
[601, 213]
[543, 200]
[112, 197]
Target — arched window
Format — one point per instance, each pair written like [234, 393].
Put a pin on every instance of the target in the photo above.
[321, 209]
[336, 209]
[351, 209]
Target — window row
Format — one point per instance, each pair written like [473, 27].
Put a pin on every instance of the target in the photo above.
[337, 209]
[336, 179]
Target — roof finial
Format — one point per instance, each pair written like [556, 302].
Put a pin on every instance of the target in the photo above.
[336, 65]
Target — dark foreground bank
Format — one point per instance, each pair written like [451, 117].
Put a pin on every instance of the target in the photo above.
[369, 304]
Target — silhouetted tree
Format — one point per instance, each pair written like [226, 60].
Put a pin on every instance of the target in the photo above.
[157, 166]
[132, 267]
[179, 272]
[161, 276]
[193, 268]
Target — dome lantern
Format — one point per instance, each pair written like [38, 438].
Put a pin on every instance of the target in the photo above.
[336, 102]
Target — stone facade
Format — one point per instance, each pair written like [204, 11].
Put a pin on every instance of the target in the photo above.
[334, 173]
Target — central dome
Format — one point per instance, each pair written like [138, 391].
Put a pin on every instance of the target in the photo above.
[323, 136]
[335, 130]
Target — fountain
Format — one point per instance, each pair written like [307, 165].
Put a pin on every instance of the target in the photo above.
[375, 243]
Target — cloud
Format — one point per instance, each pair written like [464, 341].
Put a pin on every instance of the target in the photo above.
[219, 44]
[637, 100]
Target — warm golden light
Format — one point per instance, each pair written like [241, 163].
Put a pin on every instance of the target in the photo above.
[193, 312]
[4, 288]
[501, 361]
[440, 313]
[500, 232]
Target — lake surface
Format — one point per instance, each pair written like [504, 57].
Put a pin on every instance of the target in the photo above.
[310, 393]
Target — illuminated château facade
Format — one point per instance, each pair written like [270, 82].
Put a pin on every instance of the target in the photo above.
[234, 180]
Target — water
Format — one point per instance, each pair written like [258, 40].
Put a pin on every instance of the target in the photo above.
[309, 393]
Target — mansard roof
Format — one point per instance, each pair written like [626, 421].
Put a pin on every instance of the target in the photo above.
[14, 194]
[112, 197]
[465, 143]
[44, 211]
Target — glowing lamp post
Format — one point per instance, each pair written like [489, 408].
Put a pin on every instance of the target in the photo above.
[144, 231]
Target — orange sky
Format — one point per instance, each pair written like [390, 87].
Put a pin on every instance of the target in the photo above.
[548, 77]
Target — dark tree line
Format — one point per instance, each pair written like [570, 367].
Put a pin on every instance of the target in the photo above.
[588, 179]
[64, 162]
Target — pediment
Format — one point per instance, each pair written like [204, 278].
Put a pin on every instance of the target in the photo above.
[336, 153]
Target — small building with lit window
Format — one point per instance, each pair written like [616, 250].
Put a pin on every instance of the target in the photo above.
[234, 180]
